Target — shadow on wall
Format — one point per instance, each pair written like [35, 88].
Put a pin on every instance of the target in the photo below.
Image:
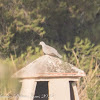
[41, 92]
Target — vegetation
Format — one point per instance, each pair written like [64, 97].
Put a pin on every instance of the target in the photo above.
[85, 56]
[72, 27]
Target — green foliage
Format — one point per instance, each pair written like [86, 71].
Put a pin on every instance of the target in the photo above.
[86, 56]
[84, 51]
[26, 21]
[94, 92]
[8, 86]
[72, 24]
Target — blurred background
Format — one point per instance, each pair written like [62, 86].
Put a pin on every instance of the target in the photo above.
[70, 26]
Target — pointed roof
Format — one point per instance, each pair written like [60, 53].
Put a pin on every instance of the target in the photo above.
[49, 66]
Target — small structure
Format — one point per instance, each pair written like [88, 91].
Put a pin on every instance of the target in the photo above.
[49, 78]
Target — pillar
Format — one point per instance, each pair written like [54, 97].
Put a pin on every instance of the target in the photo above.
[75, 91]
[59, 89]
[27, 90]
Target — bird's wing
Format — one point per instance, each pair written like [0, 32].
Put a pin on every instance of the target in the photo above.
[50, 50]
[53, 51]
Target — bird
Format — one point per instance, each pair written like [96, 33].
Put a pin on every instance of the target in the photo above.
[48, 50]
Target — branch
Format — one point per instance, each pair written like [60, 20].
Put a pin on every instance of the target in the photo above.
[76, 58]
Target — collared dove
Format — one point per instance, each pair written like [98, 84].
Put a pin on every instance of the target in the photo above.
[49, 50]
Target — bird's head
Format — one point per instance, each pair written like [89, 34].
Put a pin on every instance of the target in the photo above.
[42, 43]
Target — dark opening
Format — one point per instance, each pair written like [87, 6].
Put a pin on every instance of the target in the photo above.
[71, 91]
[41, 92]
